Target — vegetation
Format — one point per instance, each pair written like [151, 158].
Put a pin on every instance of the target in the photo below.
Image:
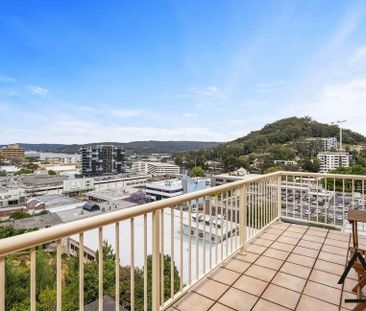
[285, 140]
[2, 173]
[197, 171]
[19, 215]
[52, 172]
[135, 146]
[9, 231]
[18, 272]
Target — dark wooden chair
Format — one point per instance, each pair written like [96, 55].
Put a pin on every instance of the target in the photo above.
[354, 217]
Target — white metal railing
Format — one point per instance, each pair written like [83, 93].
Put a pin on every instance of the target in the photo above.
[187, 237]
[198, 231]
[322, 199]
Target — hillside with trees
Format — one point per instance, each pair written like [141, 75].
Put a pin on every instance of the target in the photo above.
[286, 140]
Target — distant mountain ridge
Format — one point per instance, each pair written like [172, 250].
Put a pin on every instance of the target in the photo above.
[149, 146]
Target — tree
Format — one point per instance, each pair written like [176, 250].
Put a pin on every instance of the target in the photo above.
[197, 171]
[310, 165]
[19, 215]
[2, 173]
[52, 172]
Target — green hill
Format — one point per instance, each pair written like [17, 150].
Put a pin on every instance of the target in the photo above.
[285, 139]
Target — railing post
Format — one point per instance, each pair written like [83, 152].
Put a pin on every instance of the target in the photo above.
[279, 196]
[155, 261]
[243, 217]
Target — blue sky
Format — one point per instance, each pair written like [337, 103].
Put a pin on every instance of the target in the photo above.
[88, 71]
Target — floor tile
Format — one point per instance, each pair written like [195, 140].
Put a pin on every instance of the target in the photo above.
[261, 273]
[297, 228]
[329, 267]
[309, 244]
[289, 281]
[323, 292]
[246, 256]
[301, 260]
[305, 251]
[256, 249]
[265, 305]
[250, 285]
[325, 278]
[287, 240]
[281, 296]
[237, 265]
[318, 233]
[308, 303]
[238, 300]
[225, 276]
[292, 234]
[269, 262]
[210, 289]
[338, 237]
[220, 307]
[282, 246]
[296, 270]
[313, 238]
[262, 242]
[336, 243]
[275, 253]
[199, 302]
[335, 250]
[269, 236]
[341, 260]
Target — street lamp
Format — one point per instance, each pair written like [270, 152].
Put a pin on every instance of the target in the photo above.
[340, 132]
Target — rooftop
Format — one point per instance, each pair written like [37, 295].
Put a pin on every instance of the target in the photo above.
[287, 267]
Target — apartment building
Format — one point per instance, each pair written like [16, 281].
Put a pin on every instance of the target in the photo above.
[155, 168]
[332, 160]
[101, 160]
[12, 152]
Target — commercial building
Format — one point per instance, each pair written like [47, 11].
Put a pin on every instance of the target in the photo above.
[332, 160]
[11, 197]
[155, 168]
[12, 152]
[165, 189]
[73, 185]
[101, 160]
[240, 174]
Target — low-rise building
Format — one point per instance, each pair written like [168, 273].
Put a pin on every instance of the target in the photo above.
[165, 189]
[155, 168]
[332, 160]
[240, 174]
[11, 197]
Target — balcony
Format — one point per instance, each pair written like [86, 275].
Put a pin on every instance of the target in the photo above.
[275, 242]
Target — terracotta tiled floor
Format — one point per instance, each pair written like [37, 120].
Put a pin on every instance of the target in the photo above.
[287, 267]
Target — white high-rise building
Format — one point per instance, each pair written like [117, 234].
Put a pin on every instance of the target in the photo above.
[332, 160]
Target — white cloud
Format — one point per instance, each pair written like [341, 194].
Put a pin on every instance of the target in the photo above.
[358, 57]
[207, 91]
[6, 79]
[345, 101]
[190, 115]
[37, 90]
[269, 86]
[128, 113]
